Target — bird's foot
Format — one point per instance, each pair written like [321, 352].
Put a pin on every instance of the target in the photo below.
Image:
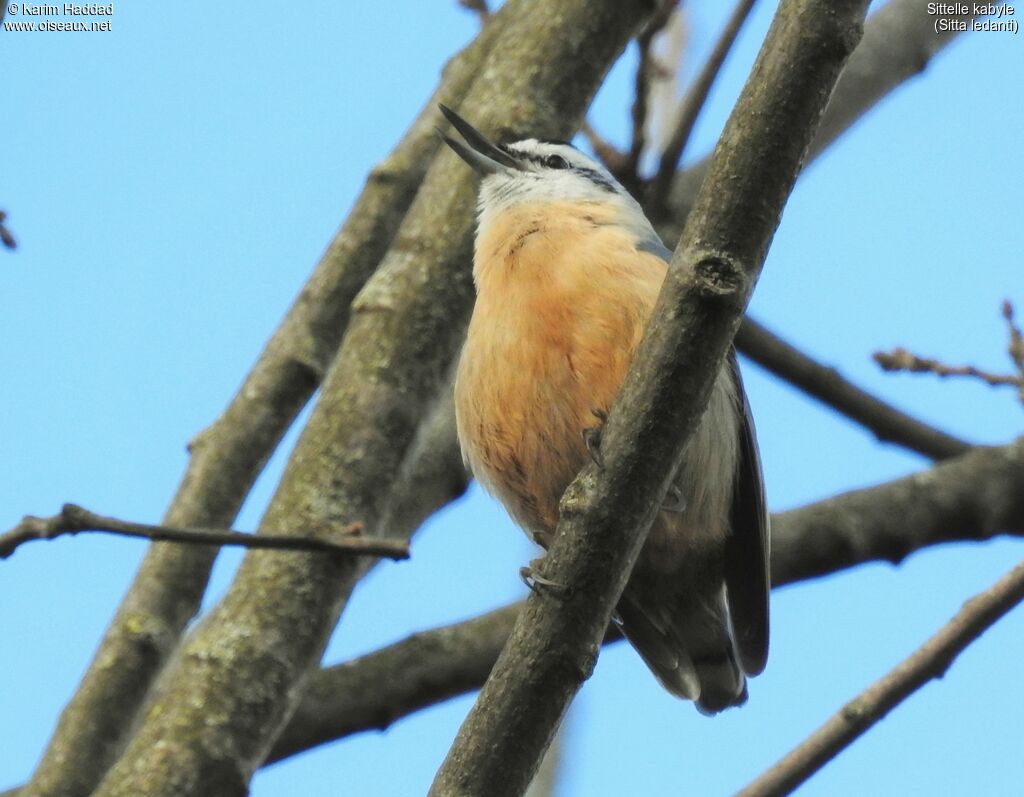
[592, 438]
[538, 583]
[674, 500]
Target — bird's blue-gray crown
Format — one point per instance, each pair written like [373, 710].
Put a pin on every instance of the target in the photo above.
[536, 170]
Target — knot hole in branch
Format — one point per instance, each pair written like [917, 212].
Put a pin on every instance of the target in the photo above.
[719, 276]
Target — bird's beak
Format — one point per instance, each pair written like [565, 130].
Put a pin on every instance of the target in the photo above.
[481, 154]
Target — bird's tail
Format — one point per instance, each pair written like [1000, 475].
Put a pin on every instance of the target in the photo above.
[689, 646]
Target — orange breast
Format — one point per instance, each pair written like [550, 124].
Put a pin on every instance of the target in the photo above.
[562, 300]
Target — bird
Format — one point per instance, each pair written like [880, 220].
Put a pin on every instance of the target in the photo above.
[567, 268]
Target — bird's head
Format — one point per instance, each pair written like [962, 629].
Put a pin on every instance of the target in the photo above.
[535, 171]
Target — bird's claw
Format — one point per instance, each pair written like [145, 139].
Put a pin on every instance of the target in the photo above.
[674, 501]
[592, 438]
[538, 583]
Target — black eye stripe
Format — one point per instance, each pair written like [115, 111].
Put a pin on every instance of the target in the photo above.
[555, 162]
[546, 161]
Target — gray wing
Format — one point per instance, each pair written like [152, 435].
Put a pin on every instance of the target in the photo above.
[655, 247]
[747, 574]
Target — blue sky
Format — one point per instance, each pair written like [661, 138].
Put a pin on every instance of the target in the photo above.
[171, 184]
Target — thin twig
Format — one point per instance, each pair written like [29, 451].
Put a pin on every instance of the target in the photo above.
[6, 237]
[899, 359]
[73, 519]
[647, 71]
[830, 387]
[478, 7]
[1016, 346]
[606, 152]
[694, 102]
[930, 661]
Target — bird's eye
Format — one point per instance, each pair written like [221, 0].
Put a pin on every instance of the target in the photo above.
[556, 162]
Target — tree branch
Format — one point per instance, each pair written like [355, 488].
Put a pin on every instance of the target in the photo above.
[828, 386]
[646, 72]
[930, 661]
[970, 497]
[898, 43]
[899, 359]
[228, 456]
[74, 519]
[6, 236]
[973, 497]
[694, 101]
[606, 514]
[240, 673]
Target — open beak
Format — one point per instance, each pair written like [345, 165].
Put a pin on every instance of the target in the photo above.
[481, 154]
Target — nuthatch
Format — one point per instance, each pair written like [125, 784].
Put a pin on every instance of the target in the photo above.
[567, 269]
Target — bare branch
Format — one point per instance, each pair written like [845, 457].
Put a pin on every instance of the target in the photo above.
[692, 104]
[1016, 346]
[373, 691]
[830, 387]
[899, 359]
[478, 7]
[974, 497]
[929, 662]
[6, 236]
[606, 152]
[606, 513]
[74, 519]
[647, 71]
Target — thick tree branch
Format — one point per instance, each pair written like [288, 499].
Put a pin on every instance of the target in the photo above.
[74, 519]
[228, 456]
[970, 497]
[373, 691]
[606, 513]
[826, 384]
[694, 101]
[898, 43]
[973, 497]
[239, 675]
[929, 662]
